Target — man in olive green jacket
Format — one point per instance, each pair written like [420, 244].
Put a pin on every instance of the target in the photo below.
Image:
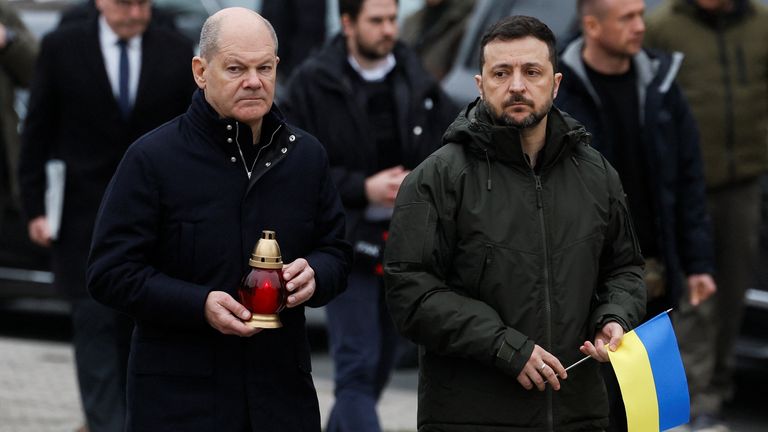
[18, 49]
[725, 78]
[511, 254]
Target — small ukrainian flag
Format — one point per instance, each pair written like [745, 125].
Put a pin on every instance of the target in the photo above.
[651, 376]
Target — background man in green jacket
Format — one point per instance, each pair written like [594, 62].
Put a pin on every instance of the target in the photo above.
[511, 254]
[18, 49]
[724, 78]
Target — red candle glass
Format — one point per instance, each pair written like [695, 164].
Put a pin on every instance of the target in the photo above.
[262, 291]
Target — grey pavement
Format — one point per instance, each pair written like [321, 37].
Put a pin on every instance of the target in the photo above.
[38, 389]
[38, 392]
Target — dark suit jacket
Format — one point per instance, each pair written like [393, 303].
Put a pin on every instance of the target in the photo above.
[73, 115]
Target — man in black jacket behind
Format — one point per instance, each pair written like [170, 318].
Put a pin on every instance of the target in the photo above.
[379, 113]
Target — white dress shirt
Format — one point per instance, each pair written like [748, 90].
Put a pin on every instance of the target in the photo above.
[110, 50]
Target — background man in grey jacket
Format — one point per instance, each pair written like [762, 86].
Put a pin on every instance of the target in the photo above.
[628, 99]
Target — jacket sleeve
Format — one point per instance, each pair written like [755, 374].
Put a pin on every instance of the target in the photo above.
[40, 127]
[621, 292]
[18, 59]
[696, 247]
[425, 309]
[332, 257]
[120, 274]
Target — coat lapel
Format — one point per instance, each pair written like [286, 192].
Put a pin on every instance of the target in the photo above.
[93, 59]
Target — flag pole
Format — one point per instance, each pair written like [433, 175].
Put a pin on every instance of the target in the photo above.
[578, 363]
[588, 357]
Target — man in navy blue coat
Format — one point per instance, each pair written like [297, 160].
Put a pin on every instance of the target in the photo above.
[174, 233]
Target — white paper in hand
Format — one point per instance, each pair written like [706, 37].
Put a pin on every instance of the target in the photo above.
[55, 173]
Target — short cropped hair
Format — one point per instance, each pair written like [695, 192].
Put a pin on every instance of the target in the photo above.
[352, 8]
[209, 36]
[518, 27]
[590, 7]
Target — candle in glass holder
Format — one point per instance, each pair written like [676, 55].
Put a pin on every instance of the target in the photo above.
[262, 290]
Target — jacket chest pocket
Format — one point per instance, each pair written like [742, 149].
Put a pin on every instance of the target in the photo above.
[500, 276]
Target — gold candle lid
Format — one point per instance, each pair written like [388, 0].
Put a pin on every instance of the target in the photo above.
[266, 253]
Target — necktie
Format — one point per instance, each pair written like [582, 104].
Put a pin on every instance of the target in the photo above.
[124, 96]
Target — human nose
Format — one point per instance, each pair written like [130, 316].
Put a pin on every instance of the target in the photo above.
[252, 80]
[639, 24]
[516, 83]
[389, 28]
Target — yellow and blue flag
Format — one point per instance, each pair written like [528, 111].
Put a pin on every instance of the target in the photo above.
[651, 376]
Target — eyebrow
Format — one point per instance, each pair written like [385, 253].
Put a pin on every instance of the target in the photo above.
[510, 65]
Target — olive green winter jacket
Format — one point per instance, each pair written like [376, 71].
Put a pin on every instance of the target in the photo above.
[487, 257]
[17, 60]
[725, 78]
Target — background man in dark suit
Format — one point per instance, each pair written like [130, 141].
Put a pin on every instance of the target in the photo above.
[97, 87]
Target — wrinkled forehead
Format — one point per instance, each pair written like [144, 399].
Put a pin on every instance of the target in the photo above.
[246, 39]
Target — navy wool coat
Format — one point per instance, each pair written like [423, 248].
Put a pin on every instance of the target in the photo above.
[180, 219]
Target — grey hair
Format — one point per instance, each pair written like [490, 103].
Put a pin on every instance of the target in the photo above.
[209, 35]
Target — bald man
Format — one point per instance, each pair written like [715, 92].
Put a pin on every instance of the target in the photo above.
[175, 231]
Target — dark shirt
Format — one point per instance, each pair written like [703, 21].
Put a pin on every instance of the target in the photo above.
[624, 148]
[377, 100]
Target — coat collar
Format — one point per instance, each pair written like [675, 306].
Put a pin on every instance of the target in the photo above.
[475, 129]
[221, 129]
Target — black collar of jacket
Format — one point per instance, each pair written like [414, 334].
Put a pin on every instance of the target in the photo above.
[476, 128]
[220, 129]
[222, 132]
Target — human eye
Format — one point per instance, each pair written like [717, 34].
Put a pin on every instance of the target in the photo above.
[533, 72]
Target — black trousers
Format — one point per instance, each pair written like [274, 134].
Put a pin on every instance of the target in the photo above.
[101, 338]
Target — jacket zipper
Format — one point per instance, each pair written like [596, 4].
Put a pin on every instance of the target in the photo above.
[547, 294]
[730, 141]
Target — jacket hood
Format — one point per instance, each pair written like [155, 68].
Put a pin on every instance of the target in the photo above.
[475, 129]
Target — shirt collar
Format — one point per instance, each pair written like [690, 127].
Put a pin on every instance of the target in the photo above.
[376, 74]
[110, 38]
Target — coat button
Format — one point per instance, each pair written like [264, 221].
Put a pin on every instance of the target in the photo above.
[284, 150]
[268, 164]
[292, 138]
[229, 127]
[417, 130]
[429, 104]
[229, 140]
[233, 159]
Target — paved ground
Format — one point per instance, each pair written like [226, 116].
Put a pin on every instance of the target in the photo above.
[38, 392]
